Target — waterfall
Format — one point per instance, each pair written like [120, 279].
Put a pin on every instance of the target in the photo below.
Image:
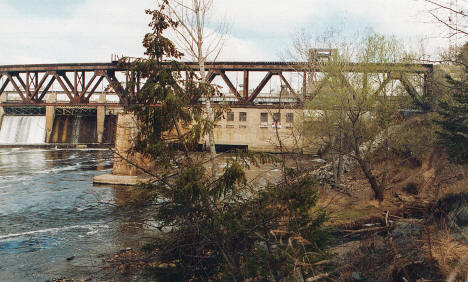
[23, 130]
[76, 130]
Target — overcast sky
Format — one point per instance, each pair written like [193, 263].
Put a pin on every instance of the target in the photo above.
[60, 31]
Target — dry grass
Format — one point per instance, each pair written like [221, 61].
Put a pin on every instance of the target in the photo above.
[450, 254]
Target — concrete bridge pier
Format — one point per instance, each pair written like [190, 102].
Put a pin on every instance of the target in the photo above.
[100, 118]
[50, 116]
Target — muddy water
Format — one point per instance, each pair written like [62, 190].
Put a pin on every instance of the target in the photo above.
[53, 221]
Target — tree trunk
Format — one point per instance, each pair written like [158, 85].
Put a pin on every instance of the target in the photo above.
[209, 111]
[375, 186]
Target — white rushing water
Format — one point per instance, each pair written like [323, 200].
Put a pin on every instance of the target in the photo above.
[23, 130]
[76, 130]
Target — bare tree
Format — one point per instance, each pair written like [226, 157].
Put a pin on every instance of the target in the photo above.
[452, 14]
[201, 43]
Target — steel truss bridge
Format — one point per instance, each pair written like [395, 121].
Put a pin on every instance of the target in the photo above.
[80, 81]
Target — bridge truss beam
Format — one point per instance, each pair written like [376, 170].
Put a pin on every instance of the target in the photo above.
[80, 81]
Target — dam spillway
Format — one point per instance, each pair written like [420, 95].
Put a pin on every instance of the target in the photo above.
[41, 126]
[23, 130]
[74, 130]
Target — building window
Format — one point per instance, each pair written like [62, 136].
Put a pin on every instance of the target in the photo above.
[290, 117]
[230, 116]
[277, 117]
[242, 116]
[263, 117]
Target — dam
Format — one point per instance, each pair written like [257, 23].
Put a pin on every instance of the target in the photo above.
[56, 125]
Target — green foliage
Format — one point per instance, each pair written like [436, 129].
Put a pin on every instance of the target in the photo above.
[352, 109]
[167, 107]
[453, 114]
[453, 121]
[213, 228]
[237, 233]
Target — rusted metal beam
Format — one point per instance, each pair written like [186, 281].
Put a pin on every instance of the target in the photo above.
[64, 87]
[75, 83]
[115, 84]
[230, 85]
[25, 99]
[418, 100]
[17, 75]
[288, 85]
[260, 87]
[39, 85]
[5, 84]
[245, 90]
[46, 89]
[28, 85]
[96, 85]
[230, 66]
[65, 78]
[211, 75]
[382, 86]
[78, 90]
[90, 82]
[36, 81]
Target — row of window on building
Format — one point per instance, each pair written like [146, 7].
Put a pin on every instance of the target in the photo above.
[263, 117]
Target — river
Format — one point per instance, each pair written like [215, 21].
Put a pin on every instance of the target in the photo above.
[53, 221]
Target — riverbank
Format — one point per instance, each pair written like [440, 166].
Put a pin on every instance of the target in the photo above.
[419, 231]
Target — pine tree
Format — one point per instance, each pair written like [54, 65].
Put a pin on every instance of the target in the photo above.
[453, 120]
[214, 229]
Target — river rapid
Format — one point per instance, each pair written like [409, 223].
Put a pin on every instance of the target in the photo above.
[53, 221]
